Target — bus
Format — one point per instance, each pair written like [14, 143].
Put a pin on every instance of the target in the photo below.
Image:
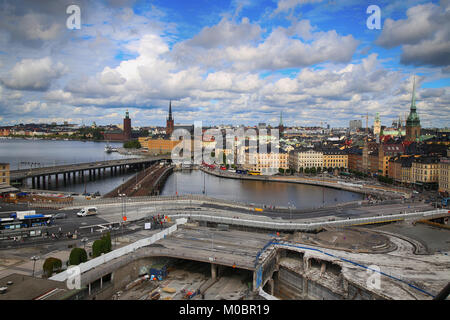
[25, 219]
[254, 173]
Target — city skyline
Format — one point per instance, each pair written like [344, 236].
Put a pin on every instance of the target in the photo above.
[237, 62]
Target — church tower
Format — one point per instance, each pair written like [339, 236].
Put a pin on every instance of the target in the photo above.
[413, 121]
[281, 126]
[169, 122]
[377, 125]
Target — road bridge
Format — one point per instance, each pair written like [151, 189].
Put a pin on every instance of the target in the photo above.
[70, 171]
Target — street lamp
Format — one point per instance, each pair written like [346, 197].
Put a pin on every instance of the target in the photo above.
[34, 258]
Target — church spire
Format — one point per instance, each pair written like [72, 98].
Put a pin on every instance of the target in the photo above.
[413, 98]
[170, 110]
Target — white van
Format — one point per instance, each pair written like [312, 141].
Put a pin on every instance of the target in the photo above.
[88, 211]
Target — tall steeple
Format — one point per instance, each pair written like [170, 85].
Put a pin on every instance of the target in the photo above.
[170, 110]
[413, 99]
[413, 121]
[170, 122]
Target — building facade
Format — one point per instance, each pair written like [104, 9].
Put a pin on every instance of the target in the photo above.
[4, 173]
[444, 176]
[305, 158]
[335, 159]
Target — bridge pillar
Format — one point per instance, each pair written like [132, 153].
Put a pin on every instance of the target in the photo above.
[33, 183]
[43, 182]
[56, 179]
[214, 271]
[74, 177]
[65, 178]
[90, 174]
[270, 285]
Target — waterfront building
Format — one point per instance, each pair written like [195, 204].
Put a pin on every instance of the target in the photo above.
[120, 135]
[444, 176]
[265, 161]
[335, 158]
[305, 158]
[4, 173]
[158, 146]
[425, 172]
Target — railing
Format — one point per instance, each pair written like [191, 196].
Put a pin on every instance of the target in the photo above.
[88, 265]
[309, 226]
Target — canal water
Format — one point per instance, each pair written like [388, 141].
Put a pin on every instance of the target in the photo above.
[21, 153]
[276, 194]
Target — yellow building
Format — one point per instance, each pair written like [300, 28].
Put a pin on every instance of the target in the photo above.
[444, 175]
[335, 159]
[425, 170]
[4, 173]
[263, 162]
[159, 146]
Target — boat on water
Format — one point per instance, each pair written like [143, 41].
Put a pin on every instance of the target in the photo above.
[109, 149]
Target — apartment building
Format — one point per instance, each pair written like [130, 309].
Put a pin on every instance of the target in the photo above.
[425, 171]
[305, 158]
[335, 159]
[444, 175]
[4, 173]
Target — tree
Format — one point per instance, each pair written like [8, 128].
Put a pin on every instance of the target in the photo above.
[319, 169]
[300, 170]
[132, 144]
[102, 245]
[307, 170]
[51, 265]
[313, 170]
[98, 248]
[281, 170]
[224, 158]
[77, 256]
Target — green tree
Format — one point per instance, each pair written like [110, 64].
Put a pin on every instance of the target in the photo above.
[319, 169]
[132, 144]
[51, 265]
[77, 256]
[224, 158]
[313, 170]
[300, 170]
[281, 170]
[307, 170]
[98, 248]
[102, 245]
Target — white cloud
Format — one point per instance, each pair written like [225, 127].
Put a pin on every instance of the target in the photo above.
[33, 74]
[424, 35]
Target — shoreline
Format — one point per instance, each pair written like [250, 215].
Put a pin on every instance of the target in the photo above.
[340, 185]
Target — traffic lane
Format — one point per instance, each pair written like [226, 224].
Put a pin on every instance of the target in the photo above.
[73, 222]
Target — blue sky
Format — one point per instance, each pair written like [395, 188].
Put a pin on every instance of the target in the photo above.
[237, 61]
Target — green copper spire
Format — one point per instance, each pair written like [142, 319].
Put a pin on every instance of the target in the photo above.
[413, 99]
[413, 118]
[127, 115]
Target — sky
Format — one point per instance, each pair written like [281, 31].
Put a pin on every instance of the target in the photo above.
[224, 62]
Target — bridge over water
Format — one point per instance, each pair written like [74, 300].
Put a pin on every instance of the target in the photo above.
[72, 170]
